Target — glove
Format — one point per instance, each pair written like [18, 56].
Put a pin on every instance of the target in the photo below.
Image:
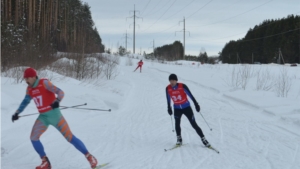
[197, 107]
[55, 104]
[15, 117]
[170, 111]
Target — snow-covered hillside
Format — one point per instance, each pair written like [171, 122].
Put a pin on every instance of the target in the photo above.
[252, 128]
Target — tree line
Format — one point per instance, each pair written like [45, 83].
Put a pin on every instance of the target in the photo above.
[33, 30]
[174, 51]
[266, 42]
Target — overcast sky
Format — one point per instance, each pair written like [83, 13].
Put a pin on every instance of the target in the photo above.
[209, 24]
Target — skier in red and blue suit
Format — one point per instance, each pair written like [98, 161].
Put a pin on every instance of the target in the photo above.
[178, 92]
[140, 64]
[42, 91]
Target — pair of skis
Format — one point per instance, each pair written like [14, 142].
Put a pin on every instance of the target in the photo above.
[174, 147]
[169, 149]
[100, 166]
[177, 146]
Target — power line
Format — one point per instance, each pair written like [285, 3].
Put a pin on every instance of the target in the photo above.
[154, 8]
[234, 16]
[269, 35]
[259, 27]
[146, 5]
[177, 25]
[200, 8]
[180, 9]
[160, 16]
[231, 4]
[220, 20]
[260, 37]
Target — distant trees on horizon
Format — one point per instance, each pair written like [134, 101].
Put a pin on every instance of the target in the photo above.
[265, 42]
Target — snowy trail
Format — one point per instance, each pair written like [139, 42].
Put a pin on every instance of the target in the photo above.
[142, 117]
[136, 132]
[246, 130]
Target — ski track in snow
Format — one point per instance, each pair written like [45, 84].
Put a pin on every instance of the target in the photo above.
[136, 132]
[246, 125]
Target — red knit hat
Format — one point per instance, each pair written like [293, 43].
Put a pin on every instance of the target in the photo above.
[30, 72]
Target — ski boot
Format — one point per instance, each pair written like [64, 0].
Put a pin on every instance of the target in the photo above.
[179, 141]
[205, 142]
[45, 164]
[92, 160]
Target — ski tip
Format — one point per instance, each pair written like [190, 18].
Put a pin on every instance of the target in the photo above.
[101, 166]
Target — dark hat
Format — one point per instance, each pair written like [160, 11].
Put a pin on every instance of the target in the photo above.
[30, 72]
[173, 77]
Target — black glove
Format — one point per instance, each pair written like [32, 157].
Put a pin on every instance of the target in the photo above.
[170, 111]
[15, 117]
[197, 107]
[55, 104]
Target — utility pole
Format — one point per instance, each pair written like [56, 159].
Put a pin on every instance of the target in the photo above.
[134, 29]
[183, 36]
[238, 60]
[126, 41]
[153, 48]
[280, 57]
[299, 38]
[126, 37]
[134, 16]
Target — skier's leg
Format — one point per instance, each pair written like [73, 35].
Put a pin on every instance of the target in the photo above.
[177, 116]
[64, 129]
[188, 112]
[141, 69]
[190, 115]
[37, 130]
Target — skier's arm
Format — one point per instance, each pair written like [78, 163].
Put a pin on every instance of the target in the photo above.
[188, 92]
[168, 98]
[24, 103]
[52, 88]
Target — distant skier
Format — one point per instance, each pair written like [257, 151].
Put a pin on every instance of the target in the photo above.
[178, 93]
[42, 91]
[140, 64]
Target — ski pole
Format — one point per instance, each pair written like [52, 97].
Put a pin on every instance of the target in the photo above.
[64, 107]
[172, 124]
[86, 108]
[60, 109]
[205, 121]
